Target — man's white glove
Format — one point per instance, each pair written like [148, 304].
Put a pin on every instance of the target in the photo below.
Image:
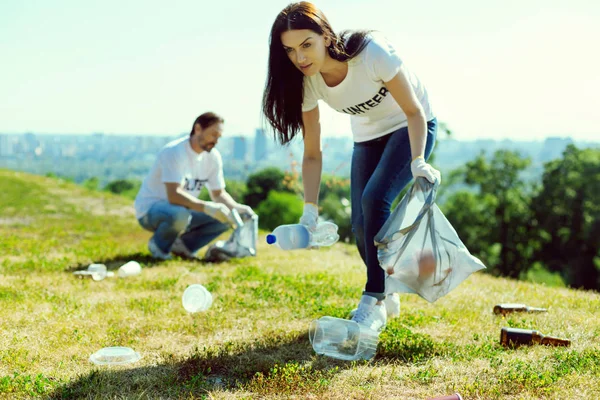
[218, 211]
[310, 216]
[420, 168]
[245, 210]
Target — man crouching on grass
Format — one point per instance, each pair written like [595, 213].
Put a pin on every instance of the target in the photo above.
[167, 203]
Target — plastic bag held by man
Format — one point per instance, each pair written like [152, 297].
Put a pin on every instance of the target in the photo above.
[241, 243]
[419, 249]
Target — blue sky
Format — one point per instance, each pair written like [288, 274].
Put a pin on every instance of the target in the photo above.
[519, 69]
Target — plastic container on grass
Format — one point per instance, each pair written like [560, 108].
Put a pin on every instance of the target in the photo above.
[196, 298]
[130, 268]
[97, 272]
[115, 356]
[342, 339]
[298, 236]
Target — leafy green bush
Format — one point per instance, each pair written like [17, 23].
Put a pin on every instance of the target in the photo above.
[236, 189]
[261, 183]
[278, 209]
[124, 187]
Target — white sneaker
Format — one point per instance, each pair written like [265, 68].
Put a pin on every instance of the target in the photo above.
[180, 249]
[370, 314]
[156, 251]
[392, 306]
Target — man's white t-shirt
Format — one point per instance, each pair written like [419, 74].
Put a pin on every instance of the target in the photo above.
[363, 95]
[178, 162]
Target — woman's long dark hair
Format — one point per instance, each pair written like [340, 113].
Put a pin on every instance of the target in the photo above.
[284, 89]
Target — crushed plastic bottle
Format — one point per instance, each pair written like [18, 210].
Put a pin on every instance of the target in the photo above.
[95, 271]
[297, 236]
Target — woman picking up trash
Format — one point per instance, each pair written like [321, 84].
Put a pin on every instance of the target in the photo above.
[393, 126]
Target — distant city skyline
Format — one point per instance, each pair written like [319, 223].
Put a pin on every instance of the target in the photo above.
[522, 70]
[110, 157]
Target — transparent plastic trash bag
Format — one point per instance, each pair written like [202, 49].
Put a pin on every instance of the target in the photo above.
[419, 249]
[241, 243]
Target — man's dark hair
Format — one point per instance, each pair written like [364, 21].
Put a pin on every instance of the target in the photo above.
[207, 119]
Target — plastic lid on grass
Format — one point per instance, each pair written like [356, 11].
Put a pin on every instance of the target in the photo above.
[115, 356]
[196, 298]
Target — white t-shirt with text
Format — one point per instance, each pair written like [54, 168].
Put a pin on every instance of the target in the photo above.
[363, 95]
[177, 162]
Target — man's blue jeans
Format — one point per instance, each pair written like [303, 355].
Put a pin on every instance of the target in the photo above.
[380, 170]
[167, 221]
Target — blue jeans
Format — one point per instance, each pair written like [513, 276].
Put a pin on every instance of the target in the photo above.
[168, 221]
[380, 170]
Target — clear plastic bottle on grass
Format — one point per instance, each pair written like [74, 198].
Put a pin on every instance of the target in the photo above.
[95, 271]
[297, 236]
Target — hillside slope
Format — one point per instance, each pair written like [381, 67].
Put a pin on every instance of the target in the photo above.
[252, 342]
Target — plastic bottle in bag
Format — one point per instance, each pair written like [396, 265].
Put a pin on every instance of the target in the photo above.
[236, 219]
[325, 234]
[297, 236]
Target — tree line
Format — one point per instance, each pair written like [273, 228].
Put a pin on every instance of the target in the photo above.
[515, 226]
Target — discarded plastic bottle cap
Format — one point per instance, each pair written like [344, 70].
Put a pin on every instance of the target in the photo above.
[271, 238]
[196, 298]
[115, 356]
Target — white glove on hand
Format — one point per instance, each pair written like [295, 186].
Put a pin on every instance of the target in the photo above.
[218, 211]
[245, 210]
[420, 168]
[310, 216]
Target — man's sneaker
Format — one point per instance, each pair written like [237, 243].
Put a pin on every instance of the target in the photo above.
[180, 249]
[392, 306]
[156, 251]
[370, 314]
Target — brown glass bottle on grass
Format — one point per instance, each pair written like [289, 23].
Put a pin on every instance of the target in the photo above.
[514, 337]
[455, 396]
[507, 308]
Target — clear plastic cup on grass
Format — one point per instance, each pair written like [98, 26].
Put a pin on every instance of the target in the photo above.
[130, 268]
[343, 339]
[115, 356]
[196, 298]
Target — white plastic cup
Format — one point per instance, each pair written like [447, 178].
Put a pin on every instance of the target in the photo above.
[196, 298]
[342, 339]
[130, 268]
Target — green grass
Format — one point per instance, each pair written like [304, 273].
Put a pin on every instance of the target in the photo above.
[252, 343]
[539, 274]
